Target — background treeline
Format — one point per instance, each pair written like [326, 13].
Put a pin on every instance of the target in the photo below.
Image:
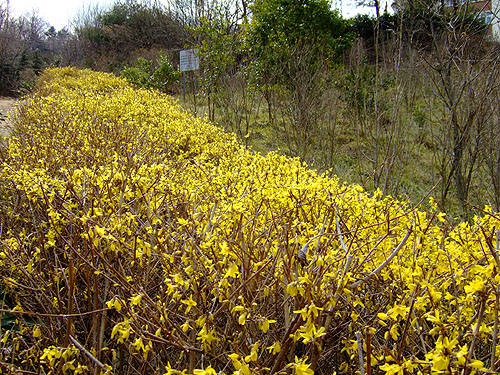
[102, 39]
[406, 102]
[27, 45]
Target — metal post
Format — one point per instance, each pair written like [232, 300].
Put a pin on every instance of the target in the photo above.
[184, 85]
[194, 91]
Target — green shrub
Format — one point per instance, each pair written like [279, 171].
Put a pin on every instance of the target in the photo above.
[145, 74]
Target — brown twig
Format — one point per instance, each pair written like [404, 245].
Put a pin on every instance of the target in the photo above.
[368, 352]
[360, 353]
[286, 343]
[475, 334]
[62, 316]
[407, 323]
[70, 298]
[88, 354]
[385, 263]
[495, 330]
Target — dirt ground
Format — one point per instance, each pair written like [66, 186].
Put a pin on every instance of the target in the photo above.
[6, 105]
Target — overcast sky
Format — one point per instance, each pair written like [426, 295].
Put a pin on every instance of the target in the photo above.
[59, 13]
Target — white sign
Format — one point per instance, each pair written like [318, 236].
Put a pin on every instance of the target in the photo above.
[189, 60]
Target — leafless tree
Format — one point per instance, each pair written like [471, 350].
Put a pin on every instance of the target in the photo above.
[463, 68]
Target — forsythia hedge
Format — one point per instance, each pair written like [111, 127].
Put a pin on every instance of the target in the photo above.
[137, 239]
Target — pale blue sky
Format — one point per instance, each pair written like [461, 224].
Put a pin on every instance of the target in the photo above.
[59, 13]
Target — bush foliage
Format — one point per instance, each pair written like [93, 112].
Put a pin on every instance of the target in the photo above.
[137, 238]
[144, 74]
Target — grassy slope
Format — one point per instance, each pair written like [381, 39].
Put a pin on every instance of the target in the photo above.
[415, 148]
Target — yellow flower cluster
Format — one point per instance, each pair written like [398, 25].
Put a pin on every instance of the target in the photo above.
[136, 236]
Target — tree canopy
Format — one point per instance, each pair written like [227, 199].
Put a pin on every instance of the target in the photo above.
[287, 38]
[287, 23]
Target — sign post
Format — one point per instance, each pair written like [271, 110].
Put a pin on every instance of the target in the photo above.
[188, 61]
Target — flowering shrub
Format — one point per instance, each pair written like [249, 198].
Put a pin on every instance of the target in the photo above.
[137, 238]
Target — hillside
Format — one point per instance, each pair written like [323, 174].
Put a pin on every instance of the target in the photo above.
[136, 238]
